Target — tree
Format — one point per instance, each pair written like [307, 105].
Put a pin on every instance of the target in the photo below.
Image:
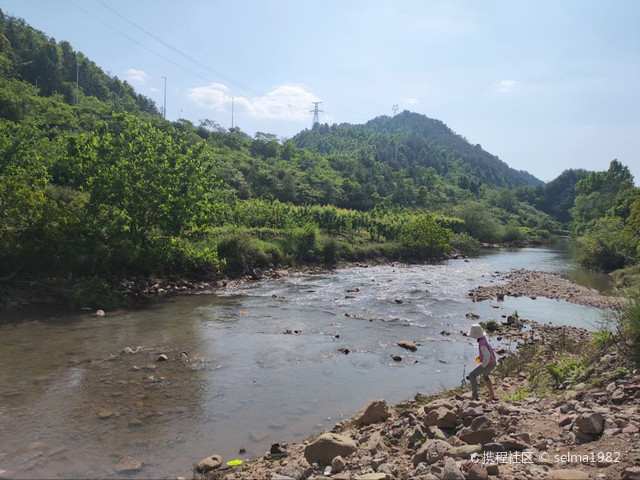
[142, 181]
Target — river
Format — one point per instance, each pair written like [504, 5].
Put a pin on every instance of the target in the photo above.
[71, 405]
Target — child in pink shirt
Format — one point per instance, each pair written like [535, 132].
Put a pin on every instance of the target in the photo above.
[487, 360]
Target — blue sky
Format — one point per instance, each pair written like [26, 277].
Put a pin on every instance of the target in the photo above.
[545, 85]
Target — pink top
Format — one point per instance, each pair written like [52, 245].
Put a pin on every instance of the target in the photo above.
[487, 355]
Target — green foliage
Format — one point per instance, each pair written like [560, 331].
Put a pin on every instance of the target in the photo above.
[465, 244]
[629, 325]
[423, 238]
[518, 396]
[565, 370]
[490, 326]
[606, 245]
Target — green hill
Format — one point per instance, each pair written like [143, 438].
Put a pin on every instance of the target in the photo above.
[409, 141]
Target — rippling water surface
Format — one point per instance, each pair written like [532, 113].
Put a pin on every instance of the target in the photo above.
[72, 406]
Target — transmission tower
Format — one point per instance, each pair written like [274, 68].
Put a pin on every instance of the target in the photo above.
[316, 117]
[395, 110]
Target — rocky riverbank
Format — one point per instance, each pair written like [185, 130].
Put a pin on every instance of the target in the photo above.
[581, 426]
[533, 284]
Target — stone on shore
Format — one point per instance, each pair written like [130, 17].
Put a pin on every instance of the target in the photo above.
[373, 412]
[209, 463]
[328, 446]
[451, 470]
[588, 426]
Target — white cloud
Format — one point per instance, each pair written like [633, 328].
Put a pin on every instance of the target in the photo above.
[504, 86]
[154, 90]
[286, 102]
[137, 77]
[213, 96]
[411, 101]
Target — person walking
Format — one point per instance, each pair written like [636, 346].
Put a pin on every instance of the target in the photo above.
[486, 359]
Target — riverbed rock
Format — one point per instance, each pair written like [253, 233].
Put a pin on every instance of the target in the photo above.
[631, 473]
[451, 470]
[256, 274]
[105, 413]
[588, 427]
[134, 423]
[328, 446]
[466, 451]
[209, 463]
[568, 474]
[338, 464]
[373, 412]
[128, 465]
[446, 418]
[477, 437]
[477, 472]
[407, 345]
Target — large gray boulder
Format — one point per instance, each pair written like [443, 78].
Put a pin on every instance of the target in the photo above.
[328, 446]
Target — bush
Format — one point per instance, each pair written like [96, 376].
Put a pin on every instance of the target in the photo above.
[330, 251]
[511, 232]
[606, 245]
[629, 325]
[465, 244]
[240, 252]
[423, 239]
[490, 326]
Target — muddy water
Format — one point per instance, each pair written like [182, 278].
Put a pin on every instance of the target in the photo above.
[72, 406]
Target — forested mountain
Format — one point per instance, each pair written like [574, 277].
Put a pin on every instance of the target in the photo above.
[557, 196]
[28, 55]
[416, 144]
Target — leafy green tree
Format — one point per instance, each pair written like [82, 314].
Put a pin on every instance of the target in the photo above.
[140, 180]
[424, 238]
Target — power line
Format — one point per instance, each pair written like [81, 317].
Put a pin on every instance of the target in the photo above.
[188, 57]
[137, 42]
[179, 52]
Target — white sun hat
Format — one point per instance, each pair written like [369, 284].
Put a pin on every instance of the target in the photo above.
[476, 331]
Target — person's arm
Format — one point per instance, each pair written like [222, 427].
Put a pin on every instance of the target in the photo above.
[485, 356]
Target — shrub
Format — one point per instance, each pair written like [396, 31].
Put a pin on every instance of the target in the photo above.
[490, 326]
[629, 325]
[465, 244]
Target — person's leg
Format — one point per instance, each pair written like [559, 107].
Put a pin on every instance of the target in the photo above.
[473, 379]
[492, 394]
[487, 380]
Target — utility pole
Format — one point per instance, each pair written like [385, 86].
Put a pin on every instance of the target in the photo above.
[77, 81]
[395, 110]
[164, 108]
[316, 117]
[232, 104]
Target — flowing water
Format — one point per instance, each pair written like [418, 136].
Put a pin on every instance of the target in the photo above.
[71, 405]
